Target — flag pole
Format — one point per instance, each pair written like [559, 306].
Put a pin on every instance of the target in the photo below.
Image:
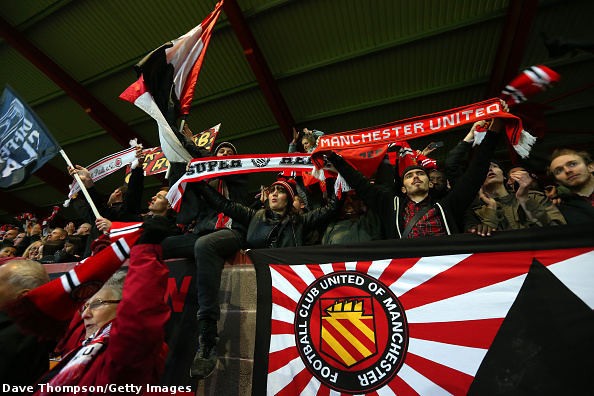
[81, 185]
[181, 125]
[181, 131]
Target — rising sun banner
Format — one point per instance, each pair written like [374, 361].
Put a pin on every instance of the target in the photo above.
[434, 316]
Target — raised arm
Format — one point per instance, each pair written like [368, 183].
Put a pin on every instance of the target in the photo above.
[237, 211]
[470, 182]
[135, 353]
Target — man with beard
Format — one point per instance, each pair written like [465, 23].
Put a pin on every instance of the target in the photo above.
[416, 213]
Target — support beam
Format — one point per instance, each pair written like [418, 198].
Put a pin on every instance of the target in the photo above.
[118, 129]
[518, 22]
[520, 15]
[260, 68]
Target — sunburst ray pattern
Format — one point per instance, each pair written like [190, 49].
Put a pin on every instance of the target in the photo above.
[454, 306]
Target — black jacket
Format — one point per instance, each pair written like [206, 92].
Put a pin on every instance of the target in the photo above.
[195, 208]
[22, 357]
[456, 159]
[450, 208]
[576, 209]
[265, 228]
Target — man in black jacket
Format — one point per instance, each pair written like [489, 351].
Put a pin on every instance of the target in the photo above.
[416, 214]
[573, 170]
[214, 238]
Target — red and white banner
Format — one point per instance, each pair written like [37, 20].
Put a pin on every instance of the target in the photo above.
[380, 319]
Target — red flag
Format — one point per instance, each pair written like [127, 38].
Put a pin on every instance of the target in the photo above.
[167, 79]
[365, 159]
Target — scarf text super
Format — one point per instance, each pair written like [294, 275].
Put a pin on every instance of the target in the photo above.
[212, 167]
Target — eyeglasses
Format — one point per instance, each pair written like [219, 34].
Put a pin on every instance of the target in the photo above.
[96, 304]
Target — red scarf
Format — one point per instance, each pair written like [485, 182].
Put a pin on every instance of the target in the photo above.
[222, 220]
[425, 125]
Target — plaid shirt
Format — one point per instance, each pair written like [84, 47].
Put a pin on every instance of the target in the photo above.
[430, 224]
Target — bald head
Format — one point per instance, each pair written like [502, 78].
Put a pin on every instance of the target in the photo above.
[18, 277]
[84, 229]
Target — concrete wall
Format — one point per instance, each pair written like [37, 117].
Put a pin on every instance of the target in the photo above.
[237, 330]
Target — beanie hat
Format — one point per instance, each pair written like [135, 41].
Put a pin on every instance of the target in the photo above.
[408, 159]
[225, 144]
[412, 167]
[498, 164]
[288, 184]
[531, 81]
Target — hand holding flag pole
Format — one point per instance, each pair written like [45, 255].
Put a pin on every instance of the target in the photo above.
[81, 185]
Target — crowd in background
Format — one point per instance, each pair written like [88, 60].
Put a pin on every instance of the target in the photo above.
[506, 200]
[469, 192]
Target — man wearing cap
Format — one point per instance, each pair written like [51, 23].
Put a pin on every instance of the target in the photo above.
[214, 237]
[229, 236]
[415, 213]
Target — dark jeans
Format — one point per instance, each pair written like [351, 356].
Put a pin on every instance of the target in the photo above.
[210, 252]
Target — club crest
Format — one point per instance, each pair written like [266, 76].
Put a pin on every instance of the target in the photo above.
[351, 332]
[260, 162]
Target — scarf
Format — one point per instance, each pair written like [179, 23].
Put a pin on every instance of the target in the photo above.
[426, 125]
[74, 365]
[105, 167]
[222, 220]
[212, 167]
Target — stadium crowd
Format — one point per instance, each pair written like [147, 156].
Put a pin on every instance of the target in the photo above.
[404, 199]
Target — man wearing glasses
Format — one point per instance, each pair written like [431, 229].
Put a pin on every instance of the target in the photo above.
[123, 341]
[117, 339]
